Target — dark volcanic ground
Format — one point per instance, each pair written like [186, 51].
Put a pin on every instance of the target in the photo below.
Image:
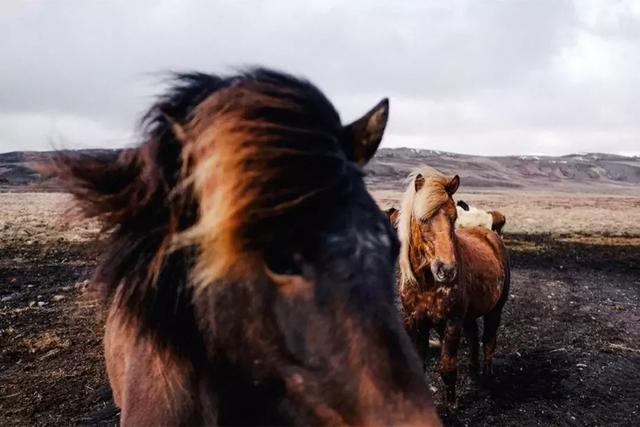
[568, 352]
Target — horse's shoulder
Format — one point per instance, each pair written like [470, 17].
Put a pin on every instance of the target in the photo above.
[493, 238]
[480, 236]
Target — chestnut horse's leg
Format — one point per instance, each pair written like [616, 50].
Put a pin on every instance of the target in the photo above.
[471, 333]
[491, 324]
[449, 362]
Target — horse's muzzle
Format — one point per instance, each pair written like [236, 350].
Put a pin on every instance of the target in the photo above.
[443, 272]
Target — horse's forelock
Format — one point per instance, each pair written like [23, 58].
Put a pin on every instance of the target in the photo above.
[258, 155]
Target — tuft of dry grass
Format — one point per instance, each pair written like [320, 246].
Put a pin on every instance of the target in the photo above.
[45, 342]
[28, 218]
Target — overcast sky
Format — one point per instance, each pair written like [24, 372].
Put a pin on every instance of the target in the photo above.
[484, 77]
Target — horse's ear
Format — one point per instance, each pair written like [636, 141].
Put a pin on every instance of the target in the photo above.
[452, 185]
[418, 182]
[176, 127]
[463, 205]
[362, 137]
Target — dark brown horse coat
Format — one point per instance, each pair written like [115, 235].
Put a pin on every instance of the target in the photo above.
[249, 273]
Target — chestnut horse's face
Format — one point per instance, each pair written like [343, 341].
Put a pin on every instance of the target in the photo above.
[437, 233]
[438, 239]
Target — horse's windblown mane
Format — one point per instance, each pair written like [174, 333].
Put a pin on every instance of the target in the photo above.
[262, 152]
[226, 163]
[418, 204]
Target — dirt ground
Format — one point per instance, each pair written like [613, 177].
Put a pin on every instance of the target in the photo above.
[568, 351]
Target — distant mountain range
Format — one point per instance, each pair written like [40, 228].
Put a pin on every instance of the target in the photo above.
[16, 173]
[388, 169]
[587, 171]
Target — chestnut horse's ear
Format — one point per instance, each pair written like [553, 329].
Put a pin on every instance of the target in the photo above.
[418, 182]
[452, 186]
[362, 137]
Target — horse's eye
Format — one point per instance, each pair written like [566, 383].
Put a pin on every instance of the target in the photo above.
[288, 273]
[282, 263]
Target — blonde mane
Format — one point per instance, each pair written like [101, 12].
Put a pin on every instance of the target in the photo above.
[421, 204]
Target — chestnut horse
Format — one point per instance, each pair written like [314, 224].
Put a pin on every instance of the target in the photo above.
[449, 277]
[248, 270]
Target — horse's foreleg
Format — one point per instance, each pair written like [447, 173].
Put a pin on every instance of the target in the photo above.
[471, 333]
[449, 362]
[491, 323]
[419, 334]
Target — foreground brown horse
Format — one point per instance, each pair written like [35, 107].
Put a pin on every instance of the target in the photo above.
[249, 271]
[449, 277]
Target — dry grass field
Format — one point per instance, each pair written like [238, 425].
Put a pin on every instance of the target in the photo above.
[562, 214]
[568, 351]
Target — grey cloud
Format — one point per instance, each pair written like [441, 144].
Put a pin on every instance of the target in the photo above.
[465, 76]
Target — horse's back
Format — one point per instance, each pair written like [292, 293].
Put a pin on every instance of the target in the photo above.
[484, 267]
[473, 217]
